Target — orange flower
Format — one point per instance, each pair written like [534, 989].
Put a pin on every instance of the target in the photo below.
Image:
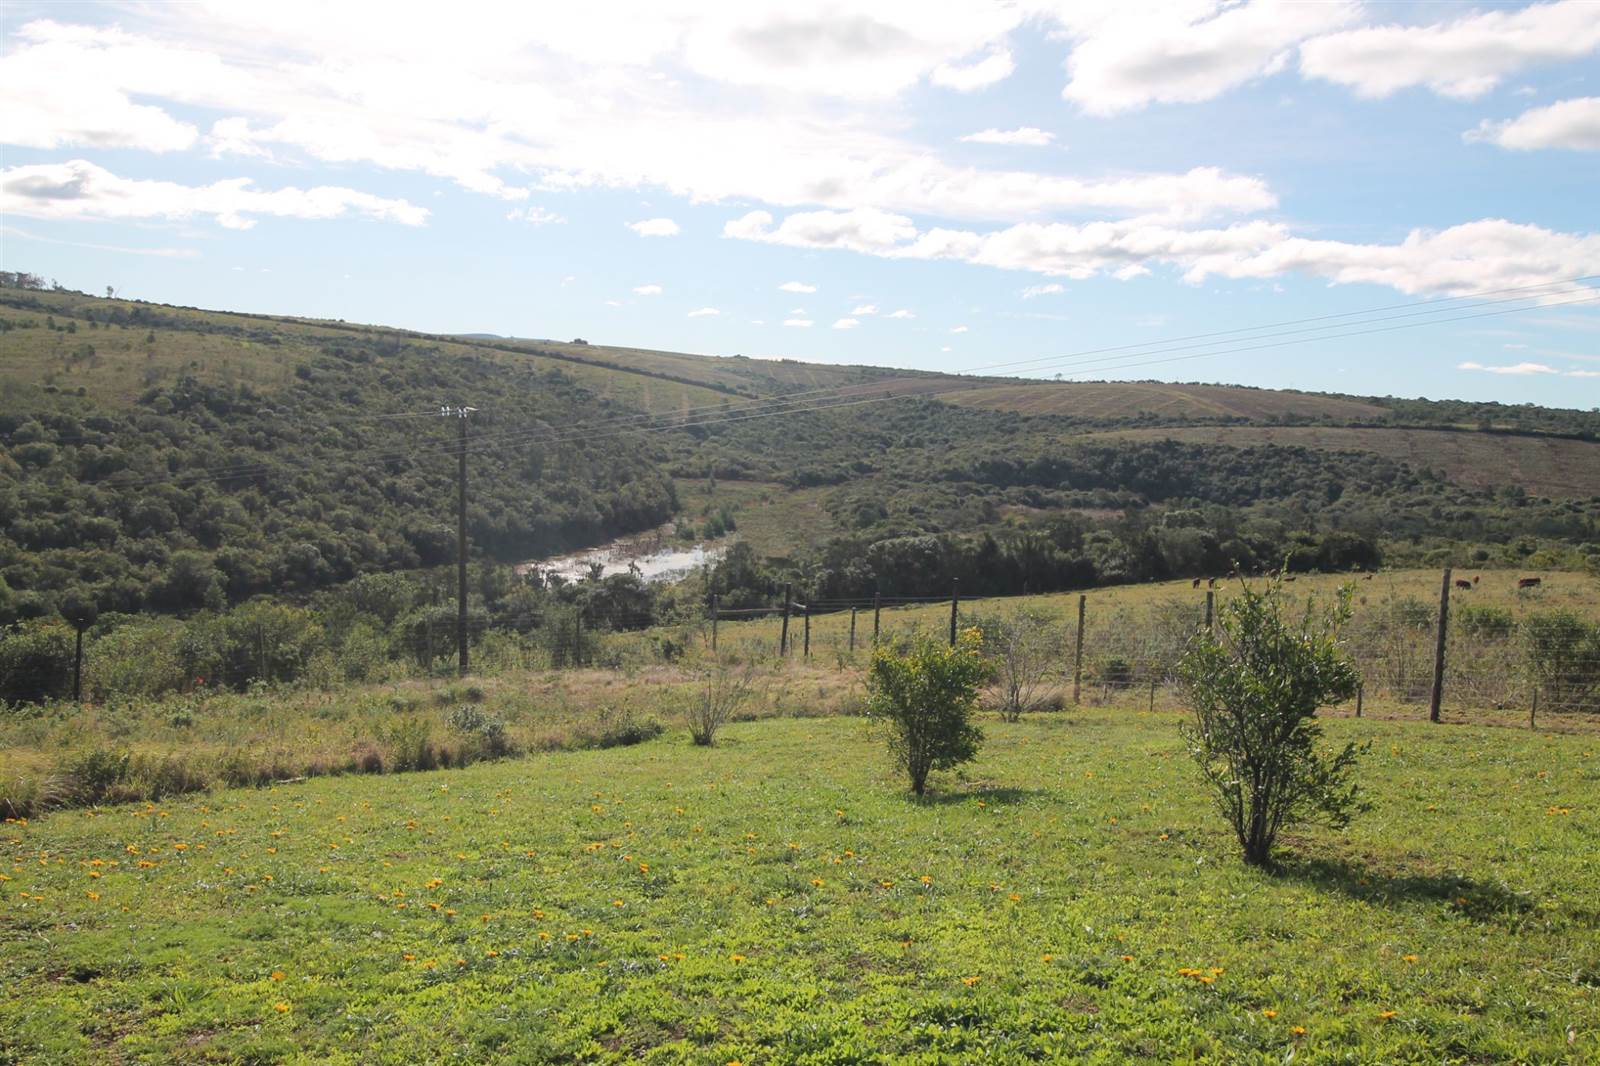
[281, 1008]
[1269, 1012]
[970, 981]
[1298, 1030]
[1385, 1015]
[277, 975]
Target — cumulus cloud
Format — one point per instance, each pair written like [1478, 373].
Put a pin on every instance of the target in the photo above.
[704, 312]
[865, 309]
[902, 313]
[1129, 55]
[78, 189]
[655, 227]
[1567, 124]
[846, 323]
[1486, 254]
[1049, 289]
[995, 67]
[1462, 57]
[788, 286]
[647, 290]
[1030, 136]
[959, 329]
[799, 323]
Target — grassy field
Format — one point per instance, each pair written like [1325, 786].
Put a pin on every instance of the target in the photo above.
[1544, 466]
[780, 898]
[1115, 399]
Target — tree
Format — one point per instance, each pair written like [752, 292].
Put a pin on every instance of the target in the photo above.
[1563, 653]
[1255, 687]
[926, 692]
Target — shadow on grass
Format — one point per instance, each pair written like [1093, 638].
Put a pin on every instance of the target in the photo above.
[993, 797]
[1477, 900]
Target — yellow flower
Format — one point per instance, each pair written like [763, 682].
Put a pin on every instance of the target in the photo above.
[816, 882]
[736, 957]
[1298, 1030]
[1127, 958]
[281, 1008]
[1046, 958]
[1269, 1013]
[1409, 958]
[970, 981]
[1385, 1015]
[277, 975]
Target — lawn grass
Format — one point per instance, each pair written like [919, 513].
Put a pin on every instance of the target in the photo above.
[765, 901]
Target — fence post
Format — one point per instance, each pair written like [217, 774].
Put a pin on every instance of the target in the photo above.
[577, 638]
[1360, 688]
[1077, 655]
[806, 654]
[428, 626]
[713, 621]
[955, 603]
[852, 630]
[783, 634]
[1533, 708]
[1210, 602]
[1152, 694]
[261, 651]
[1438, 649]
[877, 607]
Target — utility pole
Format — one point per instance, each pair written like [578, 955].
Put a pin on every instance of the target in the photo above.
[460, 414]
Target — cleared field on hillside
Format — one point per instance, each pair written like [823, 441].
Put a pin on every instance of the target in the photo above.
[780, 898]
[1122, 399]
[1544, 466]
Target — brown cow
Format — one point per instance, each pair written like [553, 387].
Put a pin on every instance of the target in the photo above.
[1527, 582]
[1196, 583]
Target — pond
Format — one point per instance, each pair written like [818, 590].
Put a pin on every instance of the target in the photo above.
[655, 555]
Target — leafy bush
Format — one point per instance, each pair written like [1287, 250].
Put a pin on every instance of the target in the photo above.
[1486, 623]
[925, 691]
[1255, 687]
[1020, 650]
[36, 661]
[1563, 655]
[409, 742]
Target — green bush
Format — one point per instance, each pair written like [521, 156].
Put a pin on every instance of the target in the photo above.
[1486, 623]
[1255, 687]
[36, 661]
[926, 691]
[1563, 657]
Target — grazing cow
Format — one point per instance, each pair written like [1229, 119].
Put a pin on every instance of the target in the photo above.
[1288, 577]
[1211, 582]
[1196, 583]
[1474, 579]
[1366, 577]
[1527, 582]
[1463, 584]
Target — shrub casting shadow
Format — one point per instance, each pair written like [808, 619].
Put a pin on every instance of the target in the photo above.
[1477, 900]
[994, 797]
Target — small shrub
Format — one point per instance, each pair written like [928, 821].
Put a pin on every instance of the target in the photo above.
[1485, 623]
[409, 743]
[1020, 650]
[925, 691]
[1563, 657]
[1255, 687]
[717, 694]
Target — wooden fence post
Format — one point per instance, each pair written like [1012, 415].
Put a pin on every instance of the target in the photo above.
[1360, 689]
[577, 638]
[1152, 694]
[77, 667]
[852, 630]
[1210, 602]
[1533, 708]
[783, 634]
[1077, 655]
[955, 603]
[877, 608]
[1438, 649]
[807, 611]
[713, 621]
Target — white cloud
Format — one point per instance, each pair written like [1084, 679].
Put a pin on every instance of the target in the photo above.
[800, 323]
[1516, 368]
[1127, 55]
[902, 313]
[788, 286]
[865, 309]
[1049, 289]
[704, 312]
[159, 253]
[655, 227]
[1583, 373]
[533, 216]
[1463, 57]
[1487, 254]
[78, 189]
[1030, 136]
[613, 303]
[995, 67]
[1567, 124]
[647, 290]
[847, 323]
[959, 329]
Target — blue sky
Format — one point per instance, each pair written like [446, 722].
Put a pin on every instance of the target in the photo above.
[1019, 181]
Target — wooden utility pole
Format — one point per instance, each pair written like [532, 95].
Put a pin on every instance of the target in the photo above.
[1438, 649]
[713, 621]
[1077, 655]
[783, 634]
[460, 414]
[955, 604]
